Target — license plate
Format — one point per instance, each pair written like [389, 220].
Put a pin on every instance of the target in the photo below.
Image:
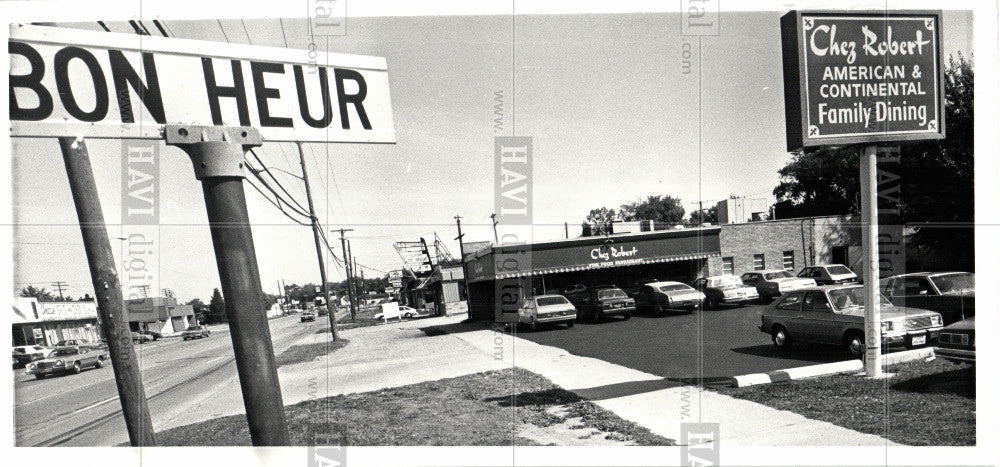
[919, 340]
[616, 305]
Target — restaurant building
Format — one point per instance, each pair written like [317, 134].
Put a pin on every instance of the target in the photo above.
[159, 314]
[675, 254]
[47, 323]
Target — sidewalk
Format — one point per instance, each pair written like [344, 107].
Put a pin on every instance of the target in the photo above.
[398, 354]
[661, 405]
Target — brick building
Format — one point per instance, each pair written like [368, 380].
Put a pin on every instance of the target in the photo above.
[679, 254]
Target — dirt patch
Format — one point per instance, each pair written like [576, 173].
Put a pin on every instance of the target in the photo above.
[308, 352]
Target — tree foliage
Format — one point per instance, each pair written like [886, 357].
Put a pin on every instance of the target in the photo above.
[216, 308]
[38, 293]
[658, 208]
[936, 177]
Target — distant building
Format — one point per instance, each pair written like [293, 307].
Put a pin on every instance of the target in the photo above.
[46, 323]
[739, 210]
[160, 314]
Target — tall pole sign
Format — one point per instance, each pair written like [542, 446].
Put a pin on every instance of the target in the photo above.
[871, 78]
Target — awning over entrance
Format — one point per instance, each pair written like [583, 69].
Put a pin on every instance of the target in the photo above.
[589, 253]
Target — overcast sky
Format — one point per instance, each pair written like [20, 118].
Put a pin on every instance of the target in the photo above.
[612, 115]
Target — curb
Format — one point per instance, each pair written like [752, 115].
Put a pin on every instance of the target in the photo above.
[849, 366]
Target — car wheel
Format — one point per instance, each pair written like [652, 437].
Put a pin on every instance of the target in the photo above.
[780, 338]
[595, 316]
[569, 324]
[855, 344]
[626, 316]
[534, 325]
[710, 303]
[100, 362]
[39, 376]
[658, 309]
[76, 368]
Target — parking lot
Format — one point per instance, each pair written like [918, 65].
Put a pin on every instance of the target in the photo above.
[713, 345]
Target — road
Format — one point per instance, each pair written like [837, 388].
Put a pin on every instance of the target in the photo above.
[712, 345]
[83, 409]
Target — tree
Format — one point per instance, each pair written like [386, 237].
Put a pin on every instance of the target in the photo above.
[39, 293]
[216, 308]
[936, 178]
[600, 220]
[200, 309]
[710, 216]
[657, 208]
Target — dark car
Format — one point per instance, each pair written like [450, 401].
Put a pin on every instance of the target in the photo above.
[957, 342]
[140, 338]
[666, 295]
[602, 301]
[953, 294]
[726, 288]
[835, 314]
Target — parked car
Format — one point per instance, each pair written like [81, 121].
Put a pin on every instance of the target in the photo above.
[607, 300]
[307, 316]
[953, 294]
[25, 354]
[195, 332]
[829, 274]
[72, 342]
[68, 360]
[546, 309]
[774, 282]
[408, 312]
[726, 288]
[667, 295]
[836, 315]
[140, 338]
[957, 342]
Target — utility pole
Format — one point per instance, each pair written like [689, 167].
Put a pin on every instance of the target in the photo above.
[495, 238]
[566, 226]
[59, 285]
[331, 312]
[355, 305]
[108, 292]
[461, 256]
[347, 270]
[217, 154]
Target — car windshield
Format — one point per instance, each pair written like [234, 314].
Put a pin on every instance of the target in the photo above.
[839, 270]
[610, 293]
[674, 288]
[954, 284]
[777, 275]
[854, 297]
[727, 281]
[548, 301]
[66, 352]
[19, 350]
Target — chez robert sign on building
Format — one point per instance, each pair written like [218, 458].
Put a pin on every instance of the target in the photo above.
[862, 77]
[66, 82]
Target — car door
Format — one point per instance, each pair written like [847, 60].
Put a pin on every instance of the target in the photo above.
[820, 323]
[788, 313]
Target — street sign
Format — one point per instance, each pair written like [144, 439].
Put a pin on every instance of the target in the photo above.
[67, 82]
[862, 77]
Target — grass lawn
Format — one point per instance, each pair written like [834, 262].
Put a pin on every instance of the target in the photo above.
[308, 352]
[484, 409]
[923, 404]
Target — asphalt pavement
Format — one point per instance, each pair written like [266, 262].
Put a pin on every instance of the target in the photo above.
[713, 345]
[83, 409]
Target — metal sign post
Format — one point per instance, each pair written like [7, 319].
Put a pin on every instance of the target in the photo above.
[869, 244]
[107, 291]
[217, 154]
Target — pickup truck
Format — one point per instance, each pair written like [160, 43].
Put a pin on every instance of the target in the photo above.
[68, 360]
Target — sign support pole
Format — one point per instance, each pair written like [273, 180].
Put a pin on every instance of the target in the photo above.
[217, 154]
[869, 242]
[330, 311]
[108, 292]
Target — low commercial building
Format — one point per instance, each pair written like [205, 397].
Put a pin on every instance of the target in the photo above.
[159, 314]
[674, 254]
[47, 323]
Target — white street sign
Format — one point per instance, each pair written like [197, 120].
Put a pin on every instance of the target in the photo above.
[66, 82]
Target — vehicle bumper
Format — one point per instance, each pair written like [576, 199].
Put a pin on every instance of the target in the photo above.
[556, 319]
[617, 311]
[956, 355]
[743, 299]
[47, 371]
[686, 304]
[910, 339]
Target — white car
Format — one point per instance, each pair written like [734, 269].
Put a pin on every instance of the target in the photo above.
[829, 274]
[25, 354]
[545, 309]
[774, 282]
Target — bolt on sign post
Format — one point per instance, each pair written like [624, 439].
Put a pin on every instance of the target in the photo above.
[214, 101]
[863, 78]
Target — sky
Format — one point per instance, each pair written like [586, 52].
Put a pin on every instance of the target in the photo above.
[613, 116]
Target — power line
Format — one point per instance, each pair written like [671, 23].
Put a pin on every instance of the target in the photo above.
[274, 203]
[283, 37]
[245, 31]
[223, 29]
[264, 166]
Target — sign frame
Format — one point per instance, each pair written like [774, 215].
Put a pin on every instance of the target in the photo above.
[796, 98]
[379, 105]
